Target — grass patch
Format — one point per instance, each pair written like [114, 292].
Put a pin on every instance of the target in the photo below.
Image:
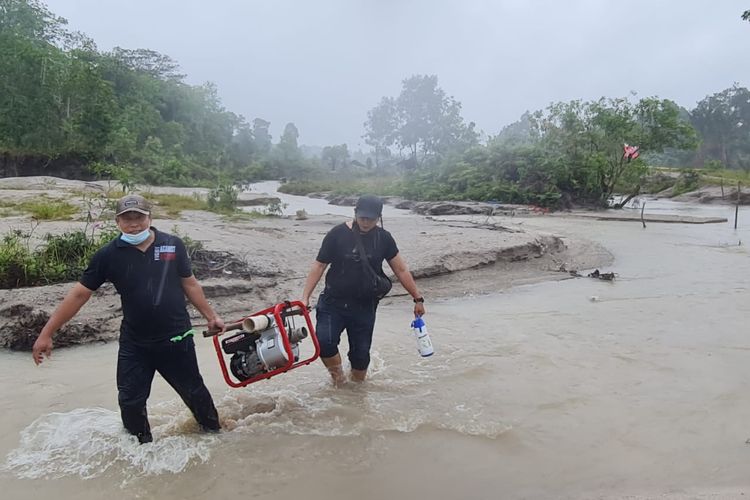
[41, 208]
[383, 186]
[712, 175]
[303, 188]
[730, 177]
[247, 215]
[173, 204]
[48, 209]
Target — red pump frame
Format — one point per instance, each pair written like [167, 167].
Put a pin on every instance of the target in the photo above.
[276, 312]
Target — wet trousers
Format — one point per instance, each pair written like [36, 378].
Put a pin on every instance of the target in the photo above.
[176, 362]
[333, 316]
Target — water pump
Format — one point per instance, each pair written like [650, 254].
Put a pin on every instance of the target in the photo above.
[267, 344]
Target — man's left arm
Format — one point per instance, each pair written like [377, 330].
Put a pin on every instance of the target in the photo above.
[401, 270]
[195, 295]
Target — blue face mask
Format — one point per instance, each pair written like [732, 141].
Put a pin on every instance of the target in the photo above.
[136, 239]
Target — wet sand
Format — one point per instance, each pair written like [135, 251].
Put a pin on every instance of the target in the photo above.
[280, 251]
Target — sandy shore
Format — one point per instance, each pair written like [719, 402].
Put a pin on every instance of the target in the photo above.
[447, 257]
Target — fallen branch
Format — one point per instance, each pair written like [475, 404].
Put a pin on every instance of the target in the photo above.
[596, 274]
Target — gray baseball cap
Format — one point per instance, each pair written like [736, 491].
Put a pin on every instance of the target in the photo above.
[133, 203]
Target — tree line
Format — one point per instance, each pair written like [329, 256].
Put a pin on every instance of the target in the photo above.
[68, 109]
[570, 152]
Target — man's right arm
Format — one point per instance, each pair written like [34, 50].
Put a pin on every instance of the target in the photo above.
[69, 307]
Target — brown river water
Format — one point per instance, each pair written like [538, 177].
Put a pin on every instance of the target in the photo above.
[568, 389]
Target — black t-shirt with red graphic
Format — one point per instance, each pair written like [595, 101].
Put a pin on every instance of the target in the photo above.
[149, 284]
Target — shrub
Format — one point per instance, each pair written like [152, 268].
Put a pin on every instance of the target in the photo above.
[59, 259]
[689, 180]
[223, 199]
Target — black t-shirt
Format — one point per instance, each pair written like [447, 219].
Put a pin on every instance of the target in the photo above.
[149, 284]
[339, 249]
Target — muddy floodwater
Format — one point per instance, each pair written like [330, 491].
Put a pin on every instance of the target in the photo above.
[576, 388]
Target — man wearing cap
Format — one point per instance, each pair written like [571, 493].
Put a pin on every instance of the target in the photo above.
[151, 272]
[347, 302]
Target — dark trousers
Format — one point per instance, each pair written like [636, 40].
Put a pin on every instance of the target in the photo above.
[176, 362]
[333, 316]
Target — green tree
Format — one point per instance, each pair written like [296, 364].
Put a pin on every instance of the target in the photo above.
[288, 141]
[148, 62]
[127, 112]
[242, 149]
[285, 159]
[585, 140]
[89, 106]
[723, 122]
[381, 128]
[262, 135]
[288, 150]
[32, 71]
[423, 121]
[335, 156]
[517, 133]
[31, 20]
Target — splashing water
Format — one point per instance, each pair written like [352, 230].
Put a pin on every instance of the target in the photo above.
[88, 442]
[91, 442]
[355, 409]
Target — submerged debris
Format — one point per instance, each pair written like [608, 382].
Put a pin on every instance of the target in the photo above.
[602, 276]
[596, 274]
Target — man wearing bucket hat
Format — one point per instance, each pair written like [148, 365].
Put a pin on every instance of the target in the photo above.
[349, 300]
[152, 274]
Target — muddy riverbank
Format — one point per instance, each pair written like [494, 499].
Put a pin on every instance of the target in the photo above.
[448, 258]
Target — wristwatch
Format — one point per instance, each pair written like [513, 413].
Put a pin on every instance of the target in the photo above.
[419, 300]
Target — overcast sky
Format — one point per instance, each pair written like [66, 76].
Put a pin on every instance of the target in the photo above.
[323, 64]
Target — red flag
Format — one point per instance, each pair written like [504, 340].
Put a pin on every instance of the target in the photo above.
[630, 152]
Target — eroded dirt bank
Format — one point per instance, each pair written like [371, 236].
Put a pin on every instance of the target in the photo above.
[448, 258]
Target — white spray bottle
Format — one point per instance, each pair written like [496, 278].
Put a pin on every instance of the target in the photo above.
[424, 344]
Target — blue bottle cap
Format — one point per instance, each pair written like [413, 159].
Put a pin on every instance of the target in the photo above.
[418, 322]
